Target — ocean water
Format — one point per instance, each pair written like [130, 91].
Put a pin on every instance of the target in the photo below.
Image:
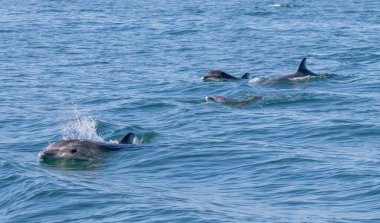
[308, 152]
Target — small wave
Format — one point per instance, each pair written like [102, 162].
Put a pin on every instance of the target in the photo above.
[73, 164]
[260, 13]
[182, 32]
[156, 105]
[288, 160]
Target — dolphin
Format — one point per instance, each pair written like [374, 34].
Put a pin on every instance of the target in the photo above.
[233, 102]
[219, 76]
[302, 71]
[83, 149]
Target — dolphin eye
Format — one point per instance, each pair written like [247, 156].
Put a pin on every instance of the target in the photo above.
[73, 151]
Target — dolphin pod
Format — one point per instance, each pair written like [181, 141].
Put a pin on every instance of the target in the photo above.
[217, 75]
[74, 149]
[302, 71]
[83, 149]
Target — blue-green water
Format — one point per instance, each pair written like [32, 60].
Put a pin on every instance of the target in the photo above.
[308, 152]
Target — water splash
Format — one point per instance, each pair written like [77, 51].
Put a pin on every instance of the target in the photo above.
[80, 126]
[137, 140]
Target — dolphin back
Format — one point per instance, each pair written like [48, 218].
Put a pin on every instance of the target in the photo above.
[303, 69]
[302, 66]
[128, 138]
[245, 76]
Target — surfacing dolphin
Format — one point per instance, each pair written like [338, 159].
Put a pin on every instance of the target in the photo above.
[302, 71]
[220, 76]
[76, 149]
[233, 102]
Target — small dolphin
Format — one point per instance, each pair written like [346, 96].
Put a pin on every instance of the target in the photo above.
[233, 102]
[219, 76]
[83, 149]
[302, 71]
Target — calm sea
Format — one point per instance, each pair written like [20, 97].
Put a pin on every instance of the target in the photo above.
[308, 152]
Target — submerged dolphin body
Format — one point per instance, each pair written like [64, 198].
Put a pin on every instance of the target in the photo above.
[83, 149]
[219, 76]
[233, 102]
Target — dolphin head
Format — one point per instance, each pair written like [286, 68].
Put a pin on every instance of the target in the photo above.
[209, 98]
[216, 75]
[71, 149]
[215, 98]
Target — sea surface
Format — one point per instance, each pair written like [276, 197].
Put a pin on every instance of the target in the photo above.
[307, 152]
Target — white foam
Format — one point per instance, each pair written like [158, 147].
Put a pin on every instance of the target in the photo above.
[112, 141]
[257, 80]
[303, 78]
[275, 5]
[137, 140]
[281, 5]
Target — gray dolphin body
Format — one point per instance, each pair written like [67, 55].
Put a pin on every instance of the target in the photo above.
[302, 71]
[233, 102]
[83, 149]
[219, 76]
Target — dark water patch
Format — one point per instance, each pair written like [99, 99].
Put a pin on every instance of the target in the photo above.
[155, 105]
[259, 13]
[181, 32]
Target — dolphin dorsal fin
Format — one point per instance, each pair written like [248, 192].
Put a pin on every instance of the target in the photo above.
[245, 76]
[127, 139]
[302, 66]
